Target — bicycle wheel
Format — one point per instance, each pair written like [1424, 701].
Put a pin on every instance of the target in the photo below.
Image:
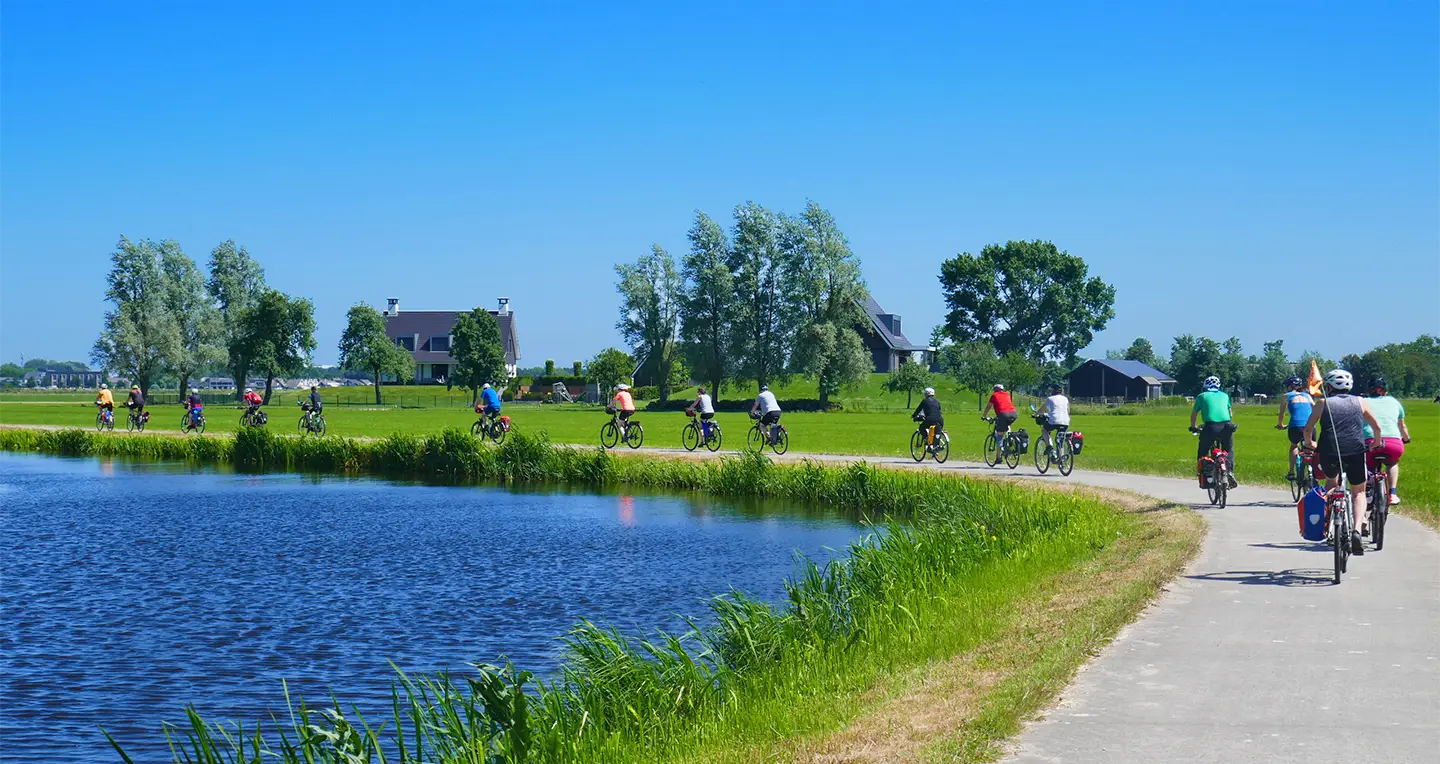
[130, 424]
[917, 446]
[201, 426]
[1213, 491]
[782, 443]
[1012, 452]
[714, 442]
[185, 423]
[992, 454]
[1042, 457]
[244, 421]
[498, 433]
[1377, 526]
[478, 429]
[942, 448]
[1297, 488]
[100, 421]
[609, 435]
[755, 440]
[690, 436]
[1066, 457]
[303, 429]
[635, 435]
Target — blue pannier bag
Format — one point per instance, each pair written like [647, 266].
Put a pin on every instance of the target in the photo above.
[1311, 510]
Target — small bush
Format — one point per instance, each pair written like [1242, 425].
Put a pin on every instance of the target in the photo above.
[646, 393]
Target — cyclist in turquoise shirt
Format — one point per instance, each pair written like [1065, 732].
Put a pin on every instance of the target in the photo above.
[1212, 406]
[1297, 403]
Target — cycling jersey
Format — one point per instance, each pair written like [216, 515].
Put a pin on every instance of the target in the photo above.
[136, 400]
[253, 398]
[929, 412]
[105, 398]
[490, 398]
[1213, 405]
[1058, 409]
[1299, 404]
[626, 401]
[768, 404]
[1000, 401]
[1388, 412]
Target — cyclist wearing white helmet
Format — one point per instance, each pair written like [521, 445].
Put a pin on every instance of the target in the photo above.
[196, 406]
[1056, 410]
[1212, 407]
[767, 410]
[929, 415]
[1341, 444]
[489, 401]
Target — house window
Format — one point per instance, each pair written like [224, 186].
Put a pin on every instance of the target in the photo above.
[406, 342]
[440, 343]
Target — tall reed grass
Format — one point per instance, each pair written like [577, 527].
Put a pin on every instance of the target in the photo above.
[624, 698]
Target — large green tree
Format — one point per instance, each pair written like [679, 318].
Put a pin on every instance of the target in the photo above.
[1025, 296]
[236, 282]
[762, 328]
[609, 368]
[140, 331]
[365, 347]
[708, 307]
[277, 336]
[1268, 371]
[1192, 359]
[651, 293]
[479, 355]
[825, 289]
[1141, 350]
[202, 327]
[973, 365]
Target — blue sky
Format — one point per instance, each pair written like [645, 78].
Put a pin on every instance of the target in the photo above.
[1257, 169]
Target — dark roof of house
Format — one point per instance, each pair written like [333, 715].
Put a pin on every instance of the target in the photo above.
[1134, 369]
[896, 340]
[429, 323]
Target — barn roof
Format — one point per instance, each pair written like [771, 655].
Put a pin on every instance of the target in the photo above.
[1135, 369]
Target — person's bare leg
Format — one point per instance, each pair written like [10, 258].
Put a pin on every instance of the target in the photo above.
[1357, 501]
[1393, 480]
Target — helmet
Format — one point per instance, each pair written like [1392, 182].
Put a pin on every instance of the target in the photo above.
[1054, 388]
[622, 386]
[998, 388]
[104, 386]
[1211, 382]
[929, 392]
[1339, 379]
[249, 389]
[1379, 383]
[764, 388]
[193, 390]
[1294, 382]
[485, 386]
[134, 387]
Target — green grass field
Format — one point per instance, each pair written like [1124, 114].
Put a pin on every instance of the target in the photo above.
[1153, 440]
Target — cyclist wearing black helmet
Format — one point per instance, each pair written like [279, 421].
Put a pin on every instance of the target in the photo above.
[1297, 403]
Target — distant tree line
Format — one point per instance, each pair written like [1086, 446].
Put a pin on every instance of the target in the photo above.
[1410, 368]
[168, 319]
[775, 296]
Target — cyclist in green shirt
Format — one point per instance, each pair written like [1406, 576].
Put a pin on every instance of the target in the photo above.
[1212, 407]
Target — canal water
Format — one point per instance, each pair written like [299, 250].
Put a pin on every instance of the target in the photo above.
[129, 589]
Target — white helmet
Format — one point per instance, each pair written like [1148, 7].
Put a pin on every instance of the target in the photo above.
[1339, 379]
[193, 390]
[485, 386]
[1211, 382]
[249, 389]
[998, 388]
[622, 386]
[929, 391]
[104, 386]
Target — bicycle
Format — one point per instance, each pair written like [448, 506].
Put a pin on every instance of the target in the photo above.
[494, 428]
[1061, 453]
[253, 416]
[104, 420]
[136, 422]
[920, 445]
[1006, 449]
[1302, 471]
[615, 432]
[1337, 511]
[692, 436]
[312, 421]
[1215, 473]
[758, 438]
[192, 422]
[1377, 500]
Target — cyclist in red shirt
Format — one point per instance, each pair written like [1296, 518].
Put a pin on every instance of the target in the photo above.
[252, 398]
[1004, 408]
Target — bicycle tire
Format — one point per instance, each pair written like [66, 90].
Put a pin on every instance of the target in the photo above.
[714, 442]
[755, 440]
[1297, 484]
[1377, 527]
[201, 426]
[1012, 451]
[498, 433]
[140, 425]
[303, 428]
[477, 430]
[917, 446]
[782, 443]
[1067, 458]
[634, 436]
[130, 424]
[690, 436]
[992, 453]
[1224, 490]
[942, 449]
[1213, 492]
[100, 421]
[609, 435]
[1042, 457]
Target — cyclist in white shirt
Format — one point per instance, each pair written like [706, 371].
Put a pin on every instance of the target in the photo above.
[1056, 409]
[767, 410]
[706, 407]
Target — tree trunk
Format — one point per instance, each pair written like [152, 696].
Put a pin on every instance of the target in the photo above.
[377, 387]
[909, 393]
[268, 380]
[184, 378]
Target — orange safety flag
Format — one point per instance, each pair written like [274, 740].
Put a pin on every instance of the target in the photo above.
[1315, 381]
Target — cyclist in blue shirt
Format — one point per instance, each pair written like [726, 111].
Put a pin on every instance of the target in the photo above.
[1297, 403]
[489, 401]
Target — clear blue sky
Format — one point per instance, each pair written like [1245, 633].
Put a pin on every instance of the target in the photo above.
[1212, 160]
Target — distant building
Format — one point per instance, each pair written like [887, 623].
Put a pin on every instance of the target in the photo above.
[56, 378]
[888, 345]
[1131, 380]
[426, 335]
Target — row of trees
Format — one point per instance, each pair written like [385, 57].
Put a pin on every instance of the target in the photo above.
[166, 317]
[775, 296]
[1411, 368]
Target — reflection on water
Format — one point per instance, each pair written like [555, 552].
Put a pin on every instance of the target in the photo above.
[130, 588]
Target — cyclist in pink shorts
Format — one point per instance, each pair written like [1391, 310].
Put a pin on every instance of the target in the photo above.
[1390, 415]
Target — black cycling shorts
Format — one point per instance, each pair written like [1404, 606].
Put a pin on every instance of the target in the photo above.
[1354, 465]
[1005, 419]
[705, 416]
[770, 418]
[1297, 434]
[625, 415]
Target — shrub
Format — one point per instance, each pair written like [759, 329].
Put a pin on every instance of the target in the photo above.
[646, 393]
[549, 368]
[576, 369]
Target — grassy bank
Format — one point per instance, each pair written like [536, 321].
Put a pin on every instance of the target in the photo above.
[973, 569]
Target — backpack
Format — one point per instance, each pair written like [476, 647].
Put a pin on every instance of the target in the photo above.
[1077, 441]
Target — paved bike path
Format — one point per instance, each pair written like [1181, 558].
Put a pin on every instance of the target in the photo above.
[1254, 655]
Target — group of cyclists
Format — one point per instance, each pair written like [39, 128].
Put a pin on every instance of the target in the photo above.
[195, 405]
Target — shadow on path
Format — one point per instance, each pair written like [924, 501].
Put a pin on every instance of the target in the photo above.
[1296, 546]
[1292, 577]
